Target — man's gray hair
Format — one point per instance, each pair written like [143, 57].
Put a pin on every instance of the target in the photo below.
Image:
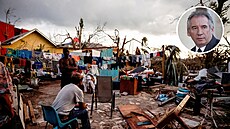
[76, 78]
[200, 12]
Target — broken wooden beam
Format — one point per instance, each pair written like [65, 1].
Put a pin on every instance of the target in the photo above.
[158, 86]
[132, 112]
[26, 113]
[154, 115]
[31, 109]
[173, 115]
[170, 117]
[182, 104]
[20, 113]
[166, 119]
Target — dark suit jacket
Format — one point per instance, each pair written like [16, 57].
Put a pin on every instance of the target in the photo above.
[214, 41]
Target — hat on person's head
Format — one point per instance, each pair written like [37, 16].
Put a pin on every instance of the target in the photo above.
[65, 50]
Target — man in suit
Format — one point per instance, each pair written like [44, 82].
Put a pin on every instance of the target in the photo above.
[200, 28]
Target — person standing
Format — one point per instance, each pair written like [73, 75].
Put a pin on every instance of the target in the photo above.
[67, 66]
[70, 102]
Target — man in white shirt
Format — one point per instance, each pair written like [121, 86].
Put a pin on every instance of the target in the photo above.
[70, 102]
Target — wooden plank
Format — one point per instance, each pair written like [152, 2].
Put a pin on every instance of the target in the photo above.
[181, 105]
[146, 116]
[21, 112]
[133, 119]
[126, 109]
[170, 117]
[165, 119]
[26, 114]
[158, 86]
[31, 109]
[154, 115]
[134, 114]
[132, 122]
[173, 115]
[143, 119]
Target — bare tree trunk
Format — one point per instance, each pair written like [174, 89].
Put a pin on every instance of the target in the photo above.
[220, 6]
[123, 45]
[80, 37]
[225, 37]
[201, 3]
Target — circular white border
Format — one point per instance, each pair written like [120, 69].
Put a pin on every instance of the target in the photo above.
[181, 28]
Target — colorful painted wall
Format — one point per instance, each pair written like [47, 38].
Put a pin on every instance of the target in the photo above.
[34, 41]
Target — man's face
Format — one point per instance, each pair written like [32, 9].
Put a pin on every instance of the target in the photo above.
[200, 31]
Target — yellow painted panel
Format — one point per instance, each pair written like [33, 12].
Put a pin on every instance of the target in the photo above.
[33, 41]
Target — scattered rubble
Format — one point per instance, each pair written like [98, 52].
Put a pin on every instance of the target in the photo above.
[101, 116]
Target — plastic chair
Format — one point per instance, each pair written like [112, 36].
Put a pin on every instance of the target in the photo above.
[104, 93]
[51, 116]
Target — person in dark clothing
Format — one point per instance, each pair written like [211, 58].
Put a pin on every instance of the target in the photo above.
[67, 66]
[27, 69]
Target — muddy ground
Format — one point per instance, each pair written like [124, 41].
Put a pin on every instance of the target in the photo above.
[100, 119]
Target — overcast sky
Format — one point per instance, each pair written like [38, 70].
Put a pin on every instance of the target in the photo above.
[133, 18]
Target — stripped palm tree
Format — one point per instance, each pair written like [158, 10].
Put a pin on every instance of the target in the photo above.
[171, 70]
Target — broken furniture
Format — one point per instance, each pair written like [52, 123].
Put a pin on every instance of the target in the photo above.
[104, 93]
[208, 89]
[133, 115]
[129, 85]
[209, 111]
[209, 107]
[51, 116]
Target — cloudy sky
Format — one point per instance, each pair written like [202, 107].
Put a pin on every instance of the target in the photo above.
[153, 19]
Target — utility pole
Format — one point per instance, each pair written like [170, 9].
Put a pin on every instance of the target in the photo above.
[163, 64]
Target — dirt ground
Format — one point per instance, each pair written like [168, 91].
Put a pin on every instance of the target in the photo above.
[100, 119]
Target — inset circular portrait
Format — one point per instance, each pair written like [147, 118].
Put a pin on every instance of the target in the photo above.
[200, 29]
